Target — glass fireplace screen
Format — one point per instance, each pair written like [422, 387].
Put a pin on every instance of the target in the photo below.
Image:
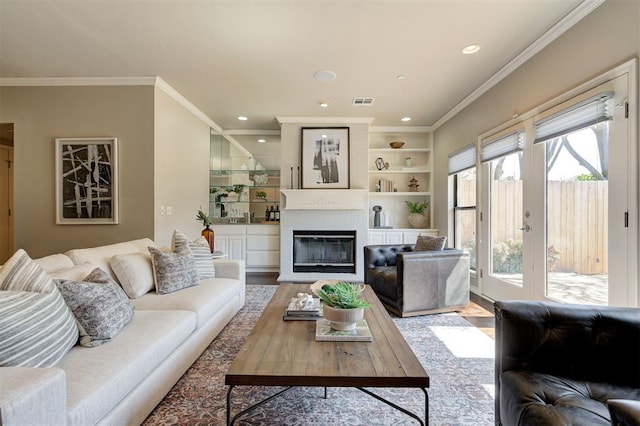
[324, 251]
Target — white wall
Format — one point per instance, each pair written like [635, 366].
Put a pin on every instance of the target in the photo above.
[181, 169]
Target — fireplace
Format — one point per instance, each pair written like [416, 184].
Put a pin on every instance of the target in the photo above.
[326, 251]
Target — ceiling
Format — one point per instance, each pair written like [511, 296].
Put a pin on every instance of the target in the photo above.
[257, 58]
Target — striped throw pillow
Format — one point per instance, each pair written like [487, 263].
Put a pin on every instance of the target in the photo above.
[201, 253]
[36, 327]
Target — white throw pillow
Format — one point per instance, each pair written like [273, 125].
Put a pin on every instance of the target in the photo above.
[135, 273]
[201, 253]
[36, 327]
[75, 273]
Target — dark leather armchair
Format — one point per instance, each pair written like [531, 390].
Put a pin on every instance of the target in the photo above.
[561, 364]
[411, 282]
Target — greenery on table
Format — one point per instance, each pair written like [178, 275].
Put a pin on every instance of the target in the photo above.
[203, 217]
[343, 295]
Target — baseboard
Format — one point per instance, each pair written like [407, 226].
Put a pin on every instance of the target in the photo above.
[484, 302]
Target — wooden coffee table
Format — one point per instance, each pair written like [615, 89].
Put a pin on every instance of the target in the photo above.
[285, 353]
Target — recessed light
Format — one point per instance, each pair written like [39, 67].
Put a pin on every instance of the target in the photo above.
[405, 119]
[325, 75]
[400, 77]
[262, 140]
[323, 104]
[242, 118]
[471, 49]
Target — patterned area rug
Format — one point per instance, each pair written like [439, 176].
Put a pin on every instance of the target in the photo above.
[457, 356]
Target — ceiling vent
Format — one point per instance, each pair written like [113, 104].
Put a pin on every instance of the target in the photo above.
[362, 101]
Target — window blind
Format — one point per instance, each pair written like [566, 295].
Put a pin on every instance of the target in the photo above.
[508, 144]
[579, 116]
[462, 159]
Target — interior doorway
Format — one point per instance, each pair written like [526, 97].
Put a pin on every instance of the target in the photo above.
[6, 191]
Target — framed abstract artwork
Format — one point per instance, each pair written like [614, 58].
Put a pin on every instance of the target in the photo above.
[86, 181]
[325, 158]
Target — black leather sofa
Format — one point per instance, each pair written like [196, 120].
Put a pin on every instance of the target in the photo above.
[559, 364]
[412, 283]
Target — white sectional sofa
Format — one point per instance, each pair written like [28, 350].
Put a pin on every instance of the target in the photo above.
[120, 382]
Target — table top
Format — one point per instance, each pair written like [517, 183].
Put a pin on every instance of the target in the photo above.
[285, 353]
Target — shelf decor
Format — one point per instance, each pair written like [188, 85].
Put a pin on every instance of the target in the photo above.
[325, 158]
[86, 181]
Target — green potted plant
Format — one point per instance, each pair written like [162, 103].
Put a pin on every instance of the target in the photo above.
[417, 218]
[207, 232]
[343, 304]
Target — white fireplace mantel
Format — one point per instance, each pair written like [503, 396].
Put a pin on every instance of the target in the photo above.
[325, 199]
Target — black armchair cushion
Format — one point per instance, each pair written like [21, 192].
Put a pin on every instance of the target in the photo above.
[624, 412]
[544, 399]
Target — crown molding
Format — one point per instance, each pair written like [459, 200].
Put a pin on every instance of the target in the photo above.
[251, 132]
[173, 93]
[571, 19]
[78, 81]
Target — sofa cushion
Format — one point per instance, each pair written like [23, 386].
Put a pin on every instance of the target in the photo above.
[205, 300]
[99, 378]
[173, 271]
[36, 327]
[54, 262]
[99, 305]
[135, 273]
[430, 243]
[201, 253]
[101, 256]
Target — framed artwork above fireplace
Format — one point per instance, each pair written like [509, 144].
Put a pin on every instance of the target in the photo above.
[325, 158]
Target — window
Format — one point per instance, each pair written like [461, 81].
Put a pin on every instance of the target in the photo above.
[463, 171]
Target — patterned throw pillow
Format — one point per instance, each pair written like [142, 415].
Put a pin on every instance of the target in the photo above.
[173, 271]
[99, 305]
[429, 243]
[36, 327]
[201, 253]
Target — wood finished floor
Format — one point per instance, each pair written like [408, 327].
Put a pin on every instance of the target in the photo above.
[478, 312]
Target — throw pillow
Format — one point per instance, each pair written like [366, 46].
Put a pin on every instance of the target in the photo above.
[135, 273]
[36, 327]
[173, 271]
[201, 253]
[99, 305]
[429, 243]
[75, 273]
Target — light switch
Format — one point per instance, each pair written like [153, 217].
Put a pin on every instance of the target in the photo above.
[169, 210]
[161, 210]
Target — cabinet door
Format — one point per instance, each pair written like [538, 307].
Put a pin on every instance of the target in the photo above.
[236, 247]
[221, 243]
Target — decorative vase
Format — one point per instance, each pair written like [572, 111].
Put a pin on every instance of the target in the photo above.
[342, 319]
[417, 220]
[208, 235]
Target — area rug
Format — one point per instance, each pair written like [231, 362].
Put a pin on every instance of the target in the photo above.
[457, 356]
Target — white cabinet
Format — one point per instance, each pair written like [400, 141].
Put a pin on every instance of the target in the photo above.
[392, 170]
[398, 236]
[230, 239]
[263, 247]
[257, 245]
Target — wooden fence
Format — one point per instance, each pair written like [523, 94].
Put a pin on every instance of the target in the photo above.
[577, 221]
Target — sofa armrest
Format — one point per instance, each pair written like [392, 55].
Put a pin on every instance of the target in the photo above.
[624, 412]
[32, 396]
[230, 268]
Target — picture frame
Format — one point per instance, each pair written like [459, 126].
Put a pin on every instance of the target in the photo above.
[86, 174]
[325, 158]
